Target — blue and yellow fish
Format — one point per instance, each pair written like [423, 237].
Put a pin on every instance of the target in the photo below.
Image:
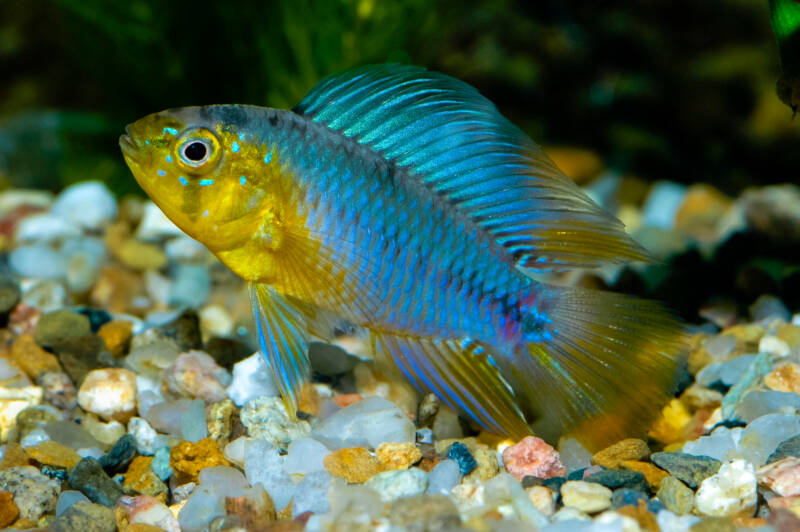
[401, 200]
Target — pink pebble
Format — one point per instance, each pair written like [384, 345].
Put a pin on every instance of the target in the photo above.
[533, 456]
[782, 477]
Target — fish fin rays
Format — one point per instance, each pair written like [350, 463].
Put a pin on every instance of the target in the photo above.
[613, 360]
[456, 143]
[283, 339]
[459, 373]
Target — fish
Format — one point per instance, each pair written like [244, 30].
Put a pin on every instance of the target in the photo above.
[399, 200]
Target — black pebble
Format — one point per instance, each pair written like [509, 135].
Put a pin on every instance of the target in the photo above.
[787, 448]
[459, 452]
[615, 479]
[89, 478]
[118, 458]
[97, 317]
[627, 497]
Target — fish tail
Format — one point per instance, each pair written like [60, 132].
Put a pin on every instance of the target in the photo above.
[596, 366]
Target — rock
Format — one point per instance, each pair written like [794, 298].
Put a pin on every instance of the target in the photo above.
[138, 255]
[543, 499]
[116, 336]
[144, 511]
[220, 421]
[532, 456]
[787, 448]
[200, 509]
[266, 418]
[71, 434]
[191, 285]
[38, 262]
[188, 459]
[53, 453]
[677, 498]
[785, 378]
[195, 374]
[9, 511]
[311, 494]
[393, 485]
[120, 455]
[444, 477]
[58, 390]
[9, 297]
[147, 439]
[12, 402]
[140, 478]
[306, 455]
[252, 378]
[766, 433]
[652, 474]
[631, 449]
[109, 393]
[627, 497]
[731, 491]
[573, 454]
[782, 477]
[366, 423]
[264, 465]
[31, 358]
[56, 328]
[726, 373]
[446, 424]
[330, 360]
[398, 455]
[86, 517]
[773, 210]
[89, 478]
[97, 317]
[79, 356]
[254, 508]
[89, 205]
[587, 497]
[183, 330]
[34, 493]
[13, 456]
[615, 479]
[155, 225]
[431, 513]
[67, 498]
[354, 464]
[685, 467]
[160, 463]
[466, 462]
[488, 465]
[227, 352]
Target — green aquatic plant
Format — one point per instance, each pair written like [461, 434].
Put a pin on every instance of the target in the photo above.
[785, 18]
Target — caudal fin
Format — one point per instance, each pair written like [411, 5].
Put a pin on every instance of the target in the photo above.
[598, 366]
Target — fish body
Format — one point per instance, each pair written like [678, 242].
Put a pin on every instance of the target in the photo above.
[402, 201]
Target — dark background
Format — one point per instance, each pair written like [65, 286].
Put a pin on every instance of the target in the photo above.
[680, 90]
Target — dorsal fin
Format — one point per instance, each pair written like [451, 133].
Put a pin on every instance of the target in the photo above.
[443, 132]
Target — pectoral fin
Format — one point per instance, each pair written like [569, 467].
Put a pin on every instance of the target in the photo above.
[283, 340]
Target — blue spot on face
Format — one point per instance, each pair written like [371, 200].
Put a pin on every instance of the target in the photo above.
[170, 130]
[169, 158]
[242, 180]
[268, 157]
[161, 173]
[241, 136]
[235, 147]
[206, 182]
[147, 142]
[205, 212]
[183, 181]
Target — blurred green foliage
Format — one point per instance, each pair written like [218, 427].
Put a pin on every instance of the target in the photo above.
[678, 89]
[785, 18]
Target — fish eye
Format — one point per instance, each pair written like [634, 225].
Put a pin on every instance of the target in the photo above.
[198, 150]
[195, 151]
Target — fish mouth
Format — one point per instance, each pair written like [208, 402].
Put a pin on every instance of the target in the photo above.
[127, 144]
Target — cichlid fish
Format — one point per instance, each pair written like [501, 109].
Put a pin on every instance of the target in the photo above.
[401, 200]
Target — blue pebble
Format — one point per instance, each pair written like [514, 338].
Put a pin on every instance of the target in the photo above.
[627, 497]
[466, 462]
[160, 463]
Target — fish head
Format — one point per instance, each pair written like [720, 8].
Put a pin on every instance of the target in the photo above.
[198, 166]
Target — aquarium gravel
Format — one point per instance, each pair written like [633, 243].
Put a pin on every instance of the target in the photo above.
[132, 398]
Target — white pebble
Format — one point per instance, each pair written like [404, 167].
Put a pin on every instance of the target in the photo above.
[730, 491]
[444, 477]
[89, 204]
[305, 456]
[109, 393]
[589, 497]
[252, 378]
[774, 346]
[392, 485]
[367, 423]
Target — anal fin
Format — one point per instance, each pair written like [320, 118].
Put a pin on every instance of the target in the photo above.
[460, 373]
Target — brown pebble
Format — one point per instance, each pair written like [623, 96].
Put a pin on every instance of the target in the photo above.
[9, 512]
[785, 378]
[651, 473]
[354, 464]
[141, 478]
[24, 524]
[188, 459]
[53, 453]
[714, 524]
[31, 358]
[640, 514]
[346, 399]
[14, 456]
[219, 421]
[117, 336]
[397, 455]
[628, 449]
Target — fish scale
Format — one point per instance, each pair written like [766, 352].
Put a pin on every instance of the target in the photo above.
[402, 201]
